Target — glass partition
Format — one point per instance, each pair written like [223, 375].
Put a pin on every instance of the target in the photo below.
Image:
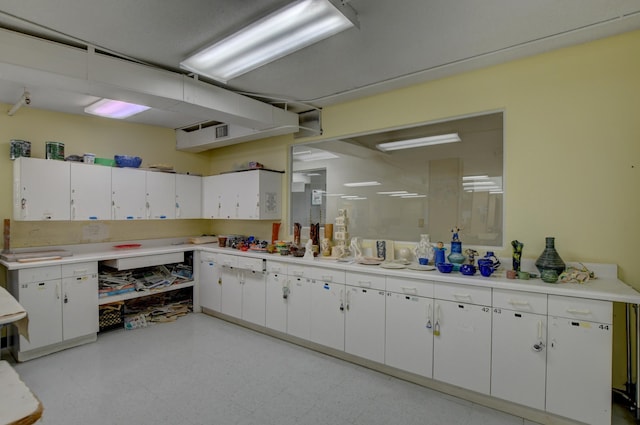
[400, 183]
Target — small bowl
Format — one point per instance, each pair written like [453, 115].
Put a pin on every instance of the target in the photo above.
[127, 161]
[468, 269]
[445, 267]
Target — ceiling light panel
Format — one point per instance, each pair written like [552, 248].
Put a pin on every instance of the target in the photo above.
[114, 109]
[419, 142]
[285, 31]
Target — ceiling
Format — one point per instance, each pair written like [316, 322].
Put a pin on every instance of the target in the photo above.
[397, 43]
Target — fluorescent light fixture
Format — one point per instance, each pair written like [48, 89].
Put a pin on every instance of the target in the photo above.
[416, 143]
[314, 156]
[114, 109]
[393, 192]
[485, 177]
[402, 195]
[362, 184]
[295, 26]
[413, 196]
[358, 198]
[481, 183]
[350, 196]
[333, 194]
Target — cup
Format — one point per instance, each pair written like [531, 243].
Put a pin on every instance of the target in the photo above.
[423, 261]
[511, 274]
[523, 275]
[89, 158]
[486, 270]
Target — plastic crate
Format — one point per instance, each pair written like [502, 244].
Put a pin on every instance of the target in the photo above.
[111, 316]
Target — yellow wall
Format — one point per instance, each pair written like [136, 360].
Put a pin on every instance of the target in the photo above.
[105, 138]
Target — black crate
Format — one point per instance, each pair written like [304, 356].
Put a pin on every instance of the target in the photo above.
[111, 316]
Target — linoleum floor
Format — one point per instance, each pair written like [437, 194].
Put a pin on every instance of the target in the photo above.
[201, 370]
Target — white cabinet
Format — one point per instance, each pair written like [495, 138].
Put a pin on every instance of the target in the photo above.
[188, 201]
[462, 336]
[160, 195]
[62, 304]
[409, 326]
[519, 347]
[365, 316]
[248, 195]
[328, 294]
[90, 192]
[41, 189]
[277, 294]
[299, 301]
[209, 282]
[243, 290]
[128, 194]
[579, 359]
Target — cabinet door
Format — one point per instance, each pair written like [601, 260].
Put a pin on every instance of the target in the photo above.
[247, 195]
[41, 189]
[161, 195]
[327, 314]
[253, 296]
[364, 323]
[409, 336]
[277, 296]
[519, 355]
[462, 350]
[270, 195]
[299, 304]
[211, 197]
[579, 370]
[188, 196]
[42, 302]
[209, 284]
[128, 193]
[231, 292]
[79, 306]
[90, 192]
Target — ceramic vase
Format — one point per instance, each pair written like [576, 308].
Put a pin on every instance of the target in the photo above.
[550, 260]
[456, 255]
[424, 249]
[275, 230]
[297, 227]
[517, 254]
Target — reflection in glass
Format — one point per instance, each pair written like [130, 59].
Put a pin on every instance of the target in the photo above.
[402, 193]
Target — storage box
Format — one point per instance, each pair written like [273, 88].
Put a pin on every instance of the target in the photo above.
[111, 316]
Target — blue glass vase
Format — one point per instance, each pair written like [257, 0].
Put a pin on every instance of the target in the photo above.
[456, 256]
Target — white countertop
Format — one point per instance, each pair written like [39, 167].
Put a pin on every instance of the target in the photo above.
[606, 287]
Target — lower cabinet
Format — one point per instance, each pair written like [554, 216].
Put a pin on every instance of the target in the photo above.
[298, 306]
[579, 359]
[327, 309]
[409, 332]
[519, 347]
[210, 284]
[243, 288]
[365, 316]
[277, 294]
[62, 304]
[462, 336]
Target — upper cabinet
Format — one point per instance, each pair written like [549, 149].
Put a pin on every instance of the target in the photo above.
[41, 189]
[244, 195]
[128, 196]
[59, 190]
[188, 201]
[90, 192]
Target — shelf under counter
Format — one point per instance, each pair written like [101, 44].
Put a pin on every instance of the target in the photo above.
[138, 294]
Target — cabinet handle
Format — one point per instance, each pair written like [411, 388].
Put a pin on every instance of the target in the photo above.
[516, 302]
[462, 296]
[148, 210]
[23, 208]
[578, 311]
[539, 346]
[429, 313]
[364, 283]
[298, 273]
[342, 300]
[327, 278]
[177, 210]
[57, 291]
[409, 290]
[73, 209]
[348, 300]
[436, 325]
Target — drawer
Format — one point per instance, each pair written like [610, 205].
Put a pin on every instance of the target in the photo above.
[298, 270]
[462, 293]
[410, 286]
[145, 261]
[227, 260]
[37, 274]
[366, 280]
[581, 309]
[327, 275]
[79, 269]
[253, 264]
[520, 301]
[276, 267]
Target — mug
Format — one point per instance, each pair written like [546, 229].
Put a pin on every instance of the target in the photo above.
[423, 261]
[486, 270]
